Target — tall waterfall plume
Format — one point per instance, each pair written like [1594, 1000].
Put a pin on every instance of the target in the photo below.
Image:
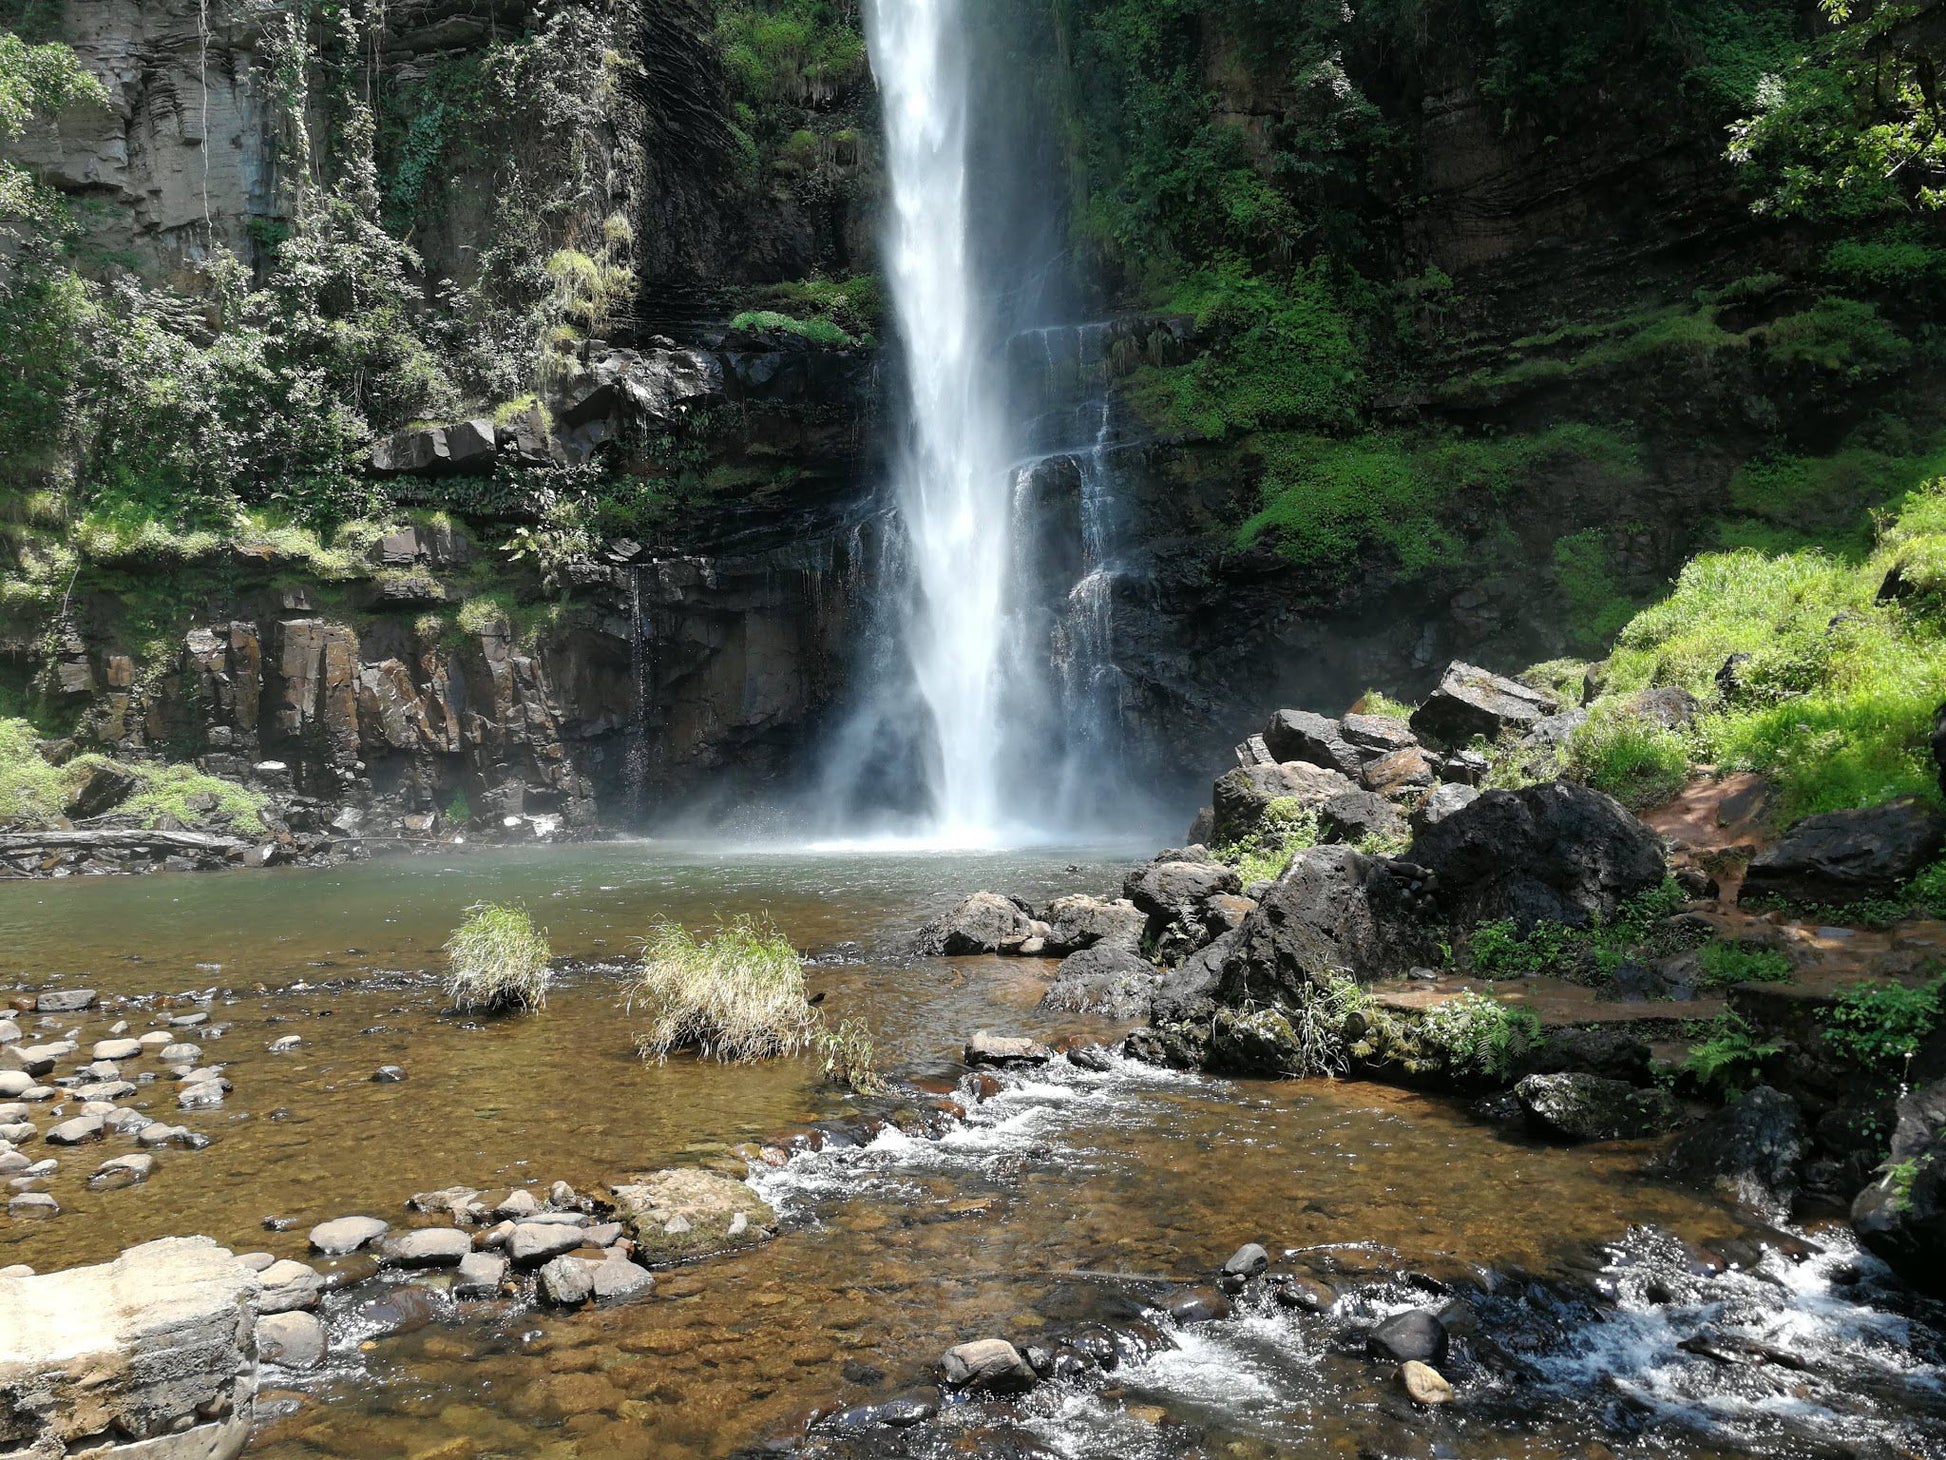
[952, 468]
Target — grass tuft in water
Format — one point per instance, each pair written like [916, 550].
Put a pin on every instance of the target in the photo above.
[497, 960]
[850, 1057]
[734, 997]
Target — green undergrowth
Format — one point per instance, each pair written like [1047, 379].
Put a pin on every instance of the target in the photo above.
[840, 312]
[1726, 965]
[1728, 1055]
[35, 794]
[1880, 1026]
[1638, 929]
[1330, 502]
[1284, 830]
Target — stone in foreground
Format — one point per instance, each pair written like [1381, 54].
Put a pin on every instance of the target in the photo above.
[1582, 1107]
[684, 1213]
[988, 1365]
[1424, 1383]
[291, 1340]
[994, 1049]
[155, 1346]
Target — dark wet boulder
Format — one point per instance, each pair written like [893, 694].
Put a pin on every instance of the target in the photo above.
[1749, 1153]
[1581, 1107]
[1473, 701]
[1079, 922]
[1901, 1216]
[1335, 912]
[1199, 1305]
[107, 786]
[1170, 891]
[1356, 816]
[1106, 979]
[1558, 852]
[1847, 856]
[1415, 1335]
[1188, 991]
[1300, 735]
[985, 923]
[1241, 798]
[1615, 1051]
[987, 1366]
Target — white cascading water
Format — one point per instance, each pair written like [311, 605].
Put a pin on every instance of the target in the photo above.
[952, 473]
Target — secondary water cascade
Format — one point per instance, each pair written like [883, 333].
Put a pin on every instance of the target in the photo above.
[997, 696]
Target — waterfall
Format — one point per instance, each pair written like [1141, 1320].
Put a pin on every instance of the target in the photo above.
[951, 470]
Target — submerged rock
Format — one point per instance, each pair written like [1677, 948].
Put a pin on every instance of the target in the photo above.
[684, 1213]
[987, 1366]
[1583, 1107]
[985, 923]
[1106, 979]
[1749, 1153]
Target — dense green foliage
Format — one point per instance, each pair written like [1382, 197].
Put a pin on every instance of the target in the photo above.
[1591, 954]
[1880, 1026]
[35, 794]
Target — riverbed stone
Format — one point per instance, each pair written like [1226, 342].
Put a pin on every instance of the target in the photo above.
[1199, 1305]
[30, 1206]
[987, 1366]
[120, 1171]
[721, 1213]
[181, 1054]
[37, 1060]
[289, 1286]
[1901, 1215]
[985, 923]
[156, 1040]
[427, 1247]
[155, 1344]
[17, 1132]
[346, 1234]
[566, 1282]
[15, 1083]
[1584, 1107]
[986, 1048]
[291, 1340]
[1078, 921]
[9, 1032]
[117, 1049]
[535, 1242]
[618, 1279]
[1248, 1261]
[480, 1275]
[1416, 1334]
[1557, 852]
[80, 1131]
[63, 1001]
[1424, 1383]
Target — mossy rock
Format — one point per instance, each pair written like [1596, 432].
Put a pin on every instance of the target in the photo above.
[686, 1213]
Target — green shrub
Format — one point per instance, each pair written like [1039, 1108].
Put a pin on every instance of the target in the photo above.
[734, 997]
[849, 1057]
[1729, 1056]
[1479, 1036]
[813, 331]
[1499, 950]
[33, 793]
[1286, 829]
[1377, 702]
[1632, 758]
[1881, 1026]
[497, 961]
[1889, 263]
[1727, 964]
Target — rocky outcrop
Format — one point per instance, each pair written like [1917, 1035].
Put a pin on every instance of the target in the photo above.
[151, 1355]
[1583, 1107]
[1902, 1215]
[1749, 1153]
[985, 923]
[679, 1214]
[1558, 853]
[1243, 796]
[1471, 701]
[1849, 856]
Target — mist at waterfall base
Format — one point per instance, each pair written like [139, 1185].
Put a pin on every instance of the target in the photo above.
[988, 704]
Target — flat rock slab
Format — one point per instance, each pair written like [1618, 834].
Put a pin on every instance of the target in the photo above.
[77, 1132]
[346, 1234]
[63, 1001]
[142, 1346]
[428, 1247]
[683, 1213]
[533, 1242]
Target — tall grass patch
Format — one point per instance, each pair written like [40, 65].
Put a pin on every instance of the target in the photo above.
[497, 961]
[735, 996]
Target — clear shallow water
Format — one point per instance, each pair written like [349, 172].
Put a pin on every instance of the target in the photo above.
[1068, 1196]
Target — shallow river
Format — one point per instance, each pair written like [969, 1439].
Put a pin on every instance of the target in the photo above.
[1071, 1196]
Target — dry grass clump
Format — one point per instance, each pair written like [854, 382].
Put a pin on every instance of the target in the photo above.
[498, 960]
[738, 996]
[734, 997]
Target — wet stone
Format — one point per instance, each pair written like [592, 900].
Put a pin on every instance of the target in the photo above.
[289, 1286]
[388, 1074]
[121, 1171]
[32, 1206]
[291, 1340]
[617, 1279]
[566, 1282]
[428, 1247]
[1424, 1383]
[987, 1365]
[1416, 1334]
[82, 1130]
[1247, 1261]
[64, 1001]
[181, 1054]
[1199, 1305]
[346, 1234]
[117, 1049]
[480, 1275]
[532, 1242]
[985, 1048]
